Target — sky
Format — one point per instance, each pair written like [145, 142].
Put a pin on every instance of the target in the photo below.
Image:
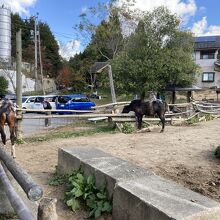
[202, 17]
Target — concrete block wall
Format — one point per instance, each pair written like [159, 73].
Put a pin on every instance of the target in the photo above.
[138, 194]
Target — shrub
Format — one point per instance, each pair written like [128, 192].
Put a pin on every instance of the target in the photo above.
[192, 120]
[209, 117]
[217, 152]
[127, 128]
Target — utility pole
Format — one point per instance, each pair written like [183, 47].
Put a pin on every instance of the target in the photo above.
[41, 67]
[35, 51]
[19, 82]
[111, 83]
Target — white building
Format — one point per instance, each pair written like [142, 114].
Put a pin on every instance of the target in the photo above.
[205, 54]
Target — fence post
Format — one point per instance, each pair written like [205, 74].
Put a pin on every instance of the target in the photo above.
[111, 84]
[18, 83]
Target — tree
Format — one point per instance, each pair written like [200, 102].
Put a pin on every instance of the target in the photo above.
[3, 85]
[49, 48]
[155, 55]
[105, 37]
[64, 77]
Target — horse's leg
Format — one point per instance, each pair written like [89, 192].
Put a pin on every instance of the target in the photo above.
[139, 120]
[11, 124]
[3, 135]
[12, 137]
[162, 119]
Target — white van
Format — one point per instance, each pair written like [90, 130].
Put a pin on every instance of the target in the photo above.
[28, 102]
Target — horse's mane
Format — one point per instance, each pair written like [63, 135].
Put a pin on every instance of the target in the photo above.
[6, 106]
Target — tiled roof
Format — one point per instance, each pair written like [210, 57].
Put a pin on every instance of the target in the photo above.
[207, 42]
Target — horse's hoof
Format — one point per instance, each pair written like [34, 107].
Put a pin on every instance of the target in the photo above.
[161, 131]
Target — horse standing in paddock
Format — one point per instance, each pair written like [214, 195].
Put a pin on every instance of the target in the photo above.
[149, 108]
[7, 115]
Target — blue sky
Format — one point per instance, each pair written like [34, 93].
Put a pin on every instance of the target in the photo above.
[61, 15]
[201, 16]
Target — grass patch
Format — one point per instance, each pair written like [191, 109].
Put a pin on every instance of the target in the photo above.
[71, 131]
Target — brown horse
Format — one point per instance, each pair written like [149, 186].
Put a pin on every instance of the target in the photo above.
[7, 115]
[149, 108]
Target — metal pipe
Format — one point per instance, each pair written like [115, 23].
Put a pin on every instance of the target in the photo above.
[17, 204]
[32, 190]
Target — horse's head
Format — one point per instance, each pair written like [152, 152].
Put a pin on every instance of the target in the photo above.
[126, 109]
[132, 106]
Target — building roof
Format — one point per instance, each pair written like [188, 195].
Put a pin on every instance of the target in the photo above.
[97, 67]
[207, 42]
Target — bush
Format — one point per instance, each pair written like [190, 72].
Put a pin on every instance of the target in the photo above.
[217, 152]
[127, 128]
[209, 117]
[192, 121]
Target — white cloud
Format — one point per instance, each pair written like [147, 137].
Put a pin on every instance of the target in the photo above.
[201, 28]
[69, 49]
[184, 9]
[18, 6]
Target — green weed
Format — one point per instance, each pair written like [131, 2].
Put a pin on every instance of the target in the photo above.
[217, 152]
[82, 189]
[127, 128]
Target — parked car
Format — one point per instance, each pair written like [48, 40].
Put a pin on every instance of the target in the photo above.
[28, 102]
[38, 102]
[74, 102]
[35, 102]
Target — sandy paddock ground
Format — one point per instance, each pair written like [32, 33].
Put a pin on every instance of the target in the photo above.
[182, 153]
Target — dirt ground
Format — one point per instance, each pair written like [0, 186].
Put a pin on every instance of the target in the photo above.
[182, 153]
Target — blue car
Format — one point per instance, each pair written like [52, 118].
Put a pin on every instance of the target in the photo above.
[74, 102]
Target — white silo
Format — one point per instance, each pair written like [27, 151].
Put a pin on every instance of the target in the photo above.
[5, 34]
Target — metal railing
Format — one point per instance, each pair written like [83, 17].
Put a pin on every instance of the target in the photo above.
[33, 191]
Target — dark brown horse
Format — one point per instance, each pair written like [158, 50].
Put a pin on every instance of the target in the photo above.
[8, 116]
[149, 108]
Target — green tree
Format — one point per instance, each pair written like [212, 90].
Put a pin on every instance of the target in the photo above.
[3, 85]
[105, 37]
[50, 51]
[49, 48]
[155, 55]
[16, 24]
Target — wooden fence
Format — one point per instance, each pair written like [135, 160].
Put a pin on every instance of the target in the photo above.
[183, 112]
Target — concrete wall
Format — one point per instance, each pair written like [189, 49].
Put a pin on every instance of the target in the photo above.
[28, 83]
[137, 194]
[10, 75]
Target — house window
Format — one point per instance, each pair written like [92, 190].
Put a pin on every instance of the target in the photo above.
[208, 77]
[207, 54]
